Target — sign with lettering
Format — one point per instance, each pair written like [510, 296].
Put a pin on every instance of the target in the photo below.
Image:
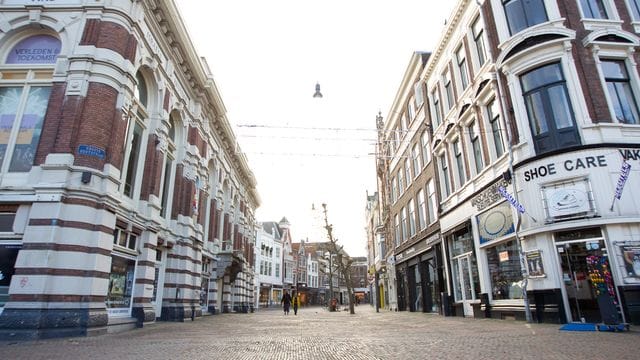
[90, 150]
[489, 196]
[37, 49]
[511, 199]
[580, 163]
[624, 175]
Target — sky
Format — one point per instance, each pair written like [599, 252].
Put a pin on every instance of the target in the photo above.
[266, 58]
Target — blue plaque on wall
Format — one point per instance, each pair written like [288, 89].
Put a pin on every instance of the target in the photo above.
[90, 150]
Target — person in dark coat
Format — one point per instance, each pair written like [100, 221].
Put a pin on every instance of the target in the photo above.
[295, 300]
[286, 302]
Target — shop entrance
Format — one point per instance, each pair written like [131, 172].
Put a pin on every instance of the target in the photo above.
[588, 282]
[463, 279]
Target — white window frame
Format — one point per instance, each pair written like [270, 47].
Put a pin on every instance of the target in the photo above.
[457, 151]
[437, 117]
[462, 68]
[475, 38]
[412, 218]
[432, 206]
[416, 160]
[473, 132]
[425, 141]
[422, 210]
[619, 53]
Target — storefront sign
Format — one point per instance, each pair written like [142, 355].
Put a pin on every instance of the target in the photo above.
[581, 163]
[567, 199]
[495, 223]
[489, 196]
[534, 263]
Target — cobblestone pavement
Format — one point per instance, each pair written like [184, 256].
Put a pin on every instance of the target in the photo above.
[318, 334]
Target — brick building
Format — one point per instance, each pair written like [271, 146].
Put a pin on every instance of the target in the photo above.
[532, 116]
[124, 196]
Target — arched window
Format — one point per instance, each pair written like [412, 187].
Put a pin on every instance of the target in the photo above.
[24, 97]
[169, 162]
[134, 156]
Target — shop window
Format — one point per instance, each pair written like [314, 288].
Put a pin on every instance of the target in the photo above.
[522, 14]
[620, 91]
[8, 256]
[6, 221]
[120, 290]
[549, 108]
[505, 270]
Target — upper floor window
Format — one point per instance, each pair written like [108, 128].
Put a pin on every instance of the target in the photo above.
[461, 60]
[432, 202]
[620, 92]
[477, 31]
[169, 160]
[436, 110]
[133, 141]
[494, 122]
[448, 90]
[407, 171]
[457, 153]
[444, 176]
[122, 237]
[418, 94]
[24, 98]
[422, 220]
[400, 182]
[415, 157]
[411, 110]
[412, 218]
[549, 108]
[394, 190]
[522, 14]
[403, 223]
[396, 225]
[593, 9]
[474, 137]
[426, 152]
[635, 9]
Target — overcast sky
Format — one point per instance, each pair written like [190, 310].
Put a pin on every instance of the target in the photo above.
[267, 56]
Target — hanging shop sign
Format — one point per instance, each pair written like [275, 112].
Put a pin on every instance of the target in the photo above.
[568, 199]
[511, 199]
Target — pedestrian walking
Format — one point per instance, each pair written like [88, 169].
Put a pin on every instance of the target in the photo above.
[296, 302]
[286, 302]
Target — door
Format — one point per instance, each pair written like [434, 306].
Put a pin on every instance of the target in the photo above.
[158, 283]
[588, 284]
[463, 278]
[431, 292]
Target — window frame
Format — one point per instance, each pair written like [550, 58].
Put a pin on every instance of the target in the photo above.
[631, 86]
[529, 22]
[479, 42]
[462, 67]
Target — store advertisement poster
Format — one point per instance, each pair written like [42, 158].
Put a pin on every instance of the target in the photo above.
[534, 263]
[631, 255]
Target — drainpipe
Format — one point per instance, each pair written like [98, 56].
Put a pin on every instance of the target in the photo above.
[525, 276]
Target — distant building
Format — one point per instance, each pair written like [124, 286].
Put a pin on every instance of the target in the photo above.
[268, 265]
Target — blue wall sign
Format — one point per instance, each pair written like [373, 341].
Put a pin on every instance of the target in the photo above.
[90, 150]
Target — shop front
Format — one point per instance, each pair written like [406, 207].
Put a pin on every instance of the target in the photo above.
[464, 270]
[8, 255]
[582, 253]
[121, 279]
[420, 276]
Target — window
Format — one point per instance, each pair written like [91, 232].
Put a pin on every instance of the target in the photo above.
[432, 202]
[457, 153]
[621, 95]
[635, 9]
[415, 156]
[407, 171]
[8, 256]
[133, 154]
[436, 111]
[593, 9]
[412, 218]
[444, 173]
[121, 285]
[277, 270]
[494, 122]
[418, 93]
[478, 39]
[549, 108]
[168, 166]
[522, 14]
[124, 239]
[400, 183]
[426, 152]
[475, 145]
[422, 220]
[6, 221]
[394, 190]
[24, 98]
[403, 223]
[504, 270]
[411, 110]
[461, 59]
[448, 90]
[396, 225]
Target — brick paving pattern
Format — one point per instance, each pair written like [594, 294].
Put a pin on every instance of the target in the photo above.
[318, 334]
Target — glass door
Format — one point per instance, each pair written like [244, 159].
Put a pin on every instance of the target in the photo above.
[463, 281]
[588, 283]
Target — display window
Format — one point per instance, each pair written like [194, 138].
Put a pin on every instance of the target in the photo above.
[505, 270]
[8, 256]
[121, 280]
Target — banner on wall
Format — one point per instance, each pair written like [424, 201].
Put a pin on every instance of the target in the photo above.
[631, 255]
[534, 263]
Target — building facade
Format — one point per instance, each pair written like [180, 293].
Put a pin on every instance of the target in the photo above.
[125, 197]
[533, 108]
[269, 264]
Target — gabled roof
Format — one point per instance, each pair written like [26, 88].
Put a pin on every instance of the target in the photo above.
[272, 227]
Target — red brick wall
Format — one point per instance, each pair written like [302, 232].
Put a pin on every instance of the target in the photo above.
[109, 35]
